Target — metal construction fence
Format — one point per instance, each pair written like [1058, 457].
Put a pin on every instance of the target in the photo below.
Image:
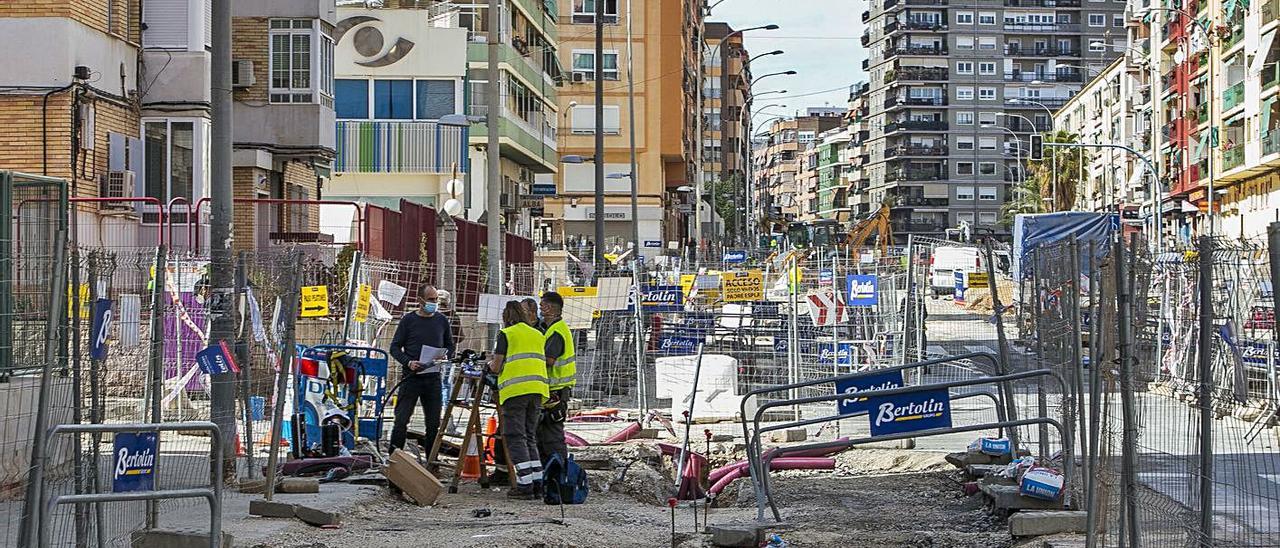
[1172, 357]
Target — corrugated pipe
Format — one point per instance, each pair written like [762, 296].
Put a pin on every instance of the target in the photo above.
[784, 463]
[574, 440]
[625, 434]
[720, 472]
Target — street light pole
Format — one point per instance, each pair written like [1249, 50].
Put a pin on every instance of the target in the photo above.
[631, 123]
[599, 138]
[492, 157]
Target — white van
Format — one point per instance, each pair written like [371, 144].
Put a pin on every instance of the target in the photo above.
[949, 260]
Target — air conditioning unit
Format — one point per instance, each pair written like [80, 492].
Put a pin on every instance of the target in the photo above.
[578, 77]
[118, 184]
[242, 74]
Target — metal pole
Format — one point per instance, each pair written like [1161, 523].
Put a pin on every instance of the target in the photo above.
[1095, 397]
[688, 419]
[77, 396]
[243, 334]
[222, 394]
[1077, 371]
[1129, 441]
[290, 303]
[642, 386]
[493, 155]
[1204, 395]
[95, 386]
[599, 139]
[1042, 399]
[155, 359]
[353, 288]
[631, 130]
[1002, 365]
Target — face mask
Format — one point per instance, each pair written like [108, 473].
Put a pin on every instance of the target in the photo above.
[430, 308]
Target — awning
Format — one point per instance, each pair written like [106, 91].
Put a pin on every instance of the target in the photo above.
[1264, 47]
[1198, 152]
[1266, 114]
[936, 190]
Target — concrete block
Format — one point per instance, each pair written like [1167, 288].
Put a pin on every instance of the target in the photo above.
[735, 536]
[964, 459]
[1007, 497]
[646, 434]
[156, 538]
[299, 485]
[270, 509]
[252, 486]
[789, 435]
[1035, 524]
[317, 517]
[982, 470]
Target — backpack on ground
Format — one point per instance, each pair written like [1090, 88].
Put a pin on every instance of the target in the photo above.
[565, 482]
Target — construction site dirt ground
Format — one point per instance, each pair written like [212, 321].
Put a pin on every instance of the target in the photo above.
[874, 498]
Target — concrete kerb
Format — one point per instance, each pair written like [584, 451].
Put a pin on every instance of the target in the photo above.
[760, 482]
[752, 466]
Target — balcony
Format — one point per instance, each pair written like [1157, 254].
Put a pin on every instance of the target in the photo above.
[1016, 51]
[929, 26]
[890, 26]
[866, 15]
[1042, 3]
[866, 64]
[903, 175]
[1233, 96]
[918, 74]
[889, 4]
[915, 150]
[365, 146]
[915, 201]
[914, 50]
[1232, 158]
[915, 125]
[1020, 76]
[1019, 26]
[917, 227]
[1270, 76]
[1271, 143]
[866, 38]
[926, 2]
[1048, 102]
[1237, 34]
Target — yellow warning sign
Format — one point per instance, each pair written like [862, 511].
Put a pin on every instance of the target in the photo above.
[315, 301]
[84, 301]
[743, 286]
[978, 279]
[362, 303]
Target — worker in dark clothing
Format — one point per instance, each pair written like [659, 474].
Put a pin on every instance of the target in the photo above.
[561, 377]
[426, 326]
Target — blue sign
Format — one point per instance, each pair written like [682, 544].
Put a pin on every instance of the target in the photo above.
[779, 344]
[673, 345]
[764, 309]
[653, 243]
[1254, 353]
[872, 381]
[662, 298]
[909, 412]
[735, 256]
[543, 189]
[134, 461]
[825, 276]
[838, 354]
[101, 329]
[862, 290]
[217, 359]
[959, 292]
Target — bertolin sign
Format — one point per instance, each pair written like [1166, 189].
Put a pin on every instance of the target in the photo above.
[672, 345]
[862, 289]
[134, 456]
[884, 380]
[663, 298]
[910, 412]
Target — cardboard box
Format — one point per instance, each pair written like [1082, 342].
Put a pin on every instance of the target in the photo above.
[404, 472]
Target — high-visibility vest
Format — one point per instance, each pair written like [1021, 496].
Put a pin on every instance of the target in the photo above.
[564, 371]
[524, 367]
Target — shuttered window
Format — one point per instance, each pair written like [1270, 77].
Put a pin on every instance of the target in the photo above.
[166, 23]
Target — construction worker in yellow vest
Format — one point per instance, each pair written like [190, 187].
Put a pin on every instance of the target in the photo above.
[521, 365]
[561, 377]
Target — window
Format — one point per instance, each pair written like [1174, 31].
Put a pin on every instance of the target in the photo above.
[805, 137]
[1097, 19]
[964, 93]
[393, 99]
[987, 18]
[1117, 21]
[964, 217]
[987, 143]
[964, 67]
[986, 118]
[987, 42]
[584, 11]
[1096, 46]
[986, 94]
[174, 152]
[987, 168]
[964, 143]
[964, 42]
[964, 168]
[964, 118]
[986, 217]
[1064, 46]
[710, 90]
[988, 193]
[293, 66]
[964, 192]
[986, 69]
[352, 100]
[584, 62]
[964, 18]
[435, 98]
[583, 120]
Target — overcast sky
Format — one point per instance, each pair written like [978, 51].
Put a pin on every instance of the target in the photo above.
[820, 38]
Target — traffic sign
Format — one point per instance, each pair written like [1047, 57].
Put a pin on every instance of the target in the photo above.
[315, 301]
[543, 189]
[362, 303]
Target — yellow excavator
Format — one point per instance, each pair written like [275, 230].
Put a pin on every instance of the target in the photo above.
[874, 231]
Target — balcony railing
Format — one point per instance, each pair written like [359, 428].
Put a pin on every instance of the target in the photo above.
[1271, 142]
[932, 26]
[1232, 158]
[926, 2]
[915, 201]
[1048, 102]
[917, 125]
[1233, 96]
[365, 146]
[914, 50]
[915, 150]
[1042, 3]
[1041, 52]
[913, 175]
[923, 74]
[890, 3]
[1019, 76]
[1018, 26]
[917, 227]
[1270, 76]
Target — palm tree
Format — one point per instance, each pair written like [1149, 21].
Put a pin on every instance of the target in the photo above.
[1029, 195]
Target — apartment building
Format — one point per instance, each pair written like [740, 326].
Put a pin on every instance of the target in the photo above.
[1220, 78]
[857, 180]
[114, 97]
[399, 71]
[956, 90]
[664, 106]
[726, 97]
[778, 158]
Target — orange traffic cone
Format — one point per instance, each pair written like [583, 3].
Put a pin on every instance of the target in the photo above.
[240, 448]
[490, 431]
[471, 462]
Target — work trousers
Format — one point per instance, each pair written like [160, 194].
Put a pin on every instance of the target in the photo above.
[415, 388]
[551, 428]
[519, 426]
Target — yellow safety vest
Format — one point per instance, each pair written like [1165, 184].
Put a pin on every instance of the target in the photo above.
[564, 372]
[524, 368]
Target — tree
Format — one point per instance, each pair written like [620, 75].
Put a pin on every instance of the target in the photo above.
[1041, 192]
[727, 194]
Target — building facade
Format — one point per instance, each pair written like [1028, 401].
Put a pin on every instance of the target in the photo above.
[726, 109]
[956, 90]
[778, 158]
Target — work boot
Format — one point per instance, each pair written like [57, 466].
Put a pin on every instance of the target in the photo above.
[521, 493]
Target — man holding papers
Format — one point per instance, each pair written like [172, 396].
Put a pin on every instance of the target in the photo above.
[423, 341]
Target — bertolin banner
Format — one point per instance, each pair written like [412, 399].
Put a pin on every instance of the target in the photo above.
[884, 380]
[662, 298]
[910, 412]
[134, 461]
[862, 289]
